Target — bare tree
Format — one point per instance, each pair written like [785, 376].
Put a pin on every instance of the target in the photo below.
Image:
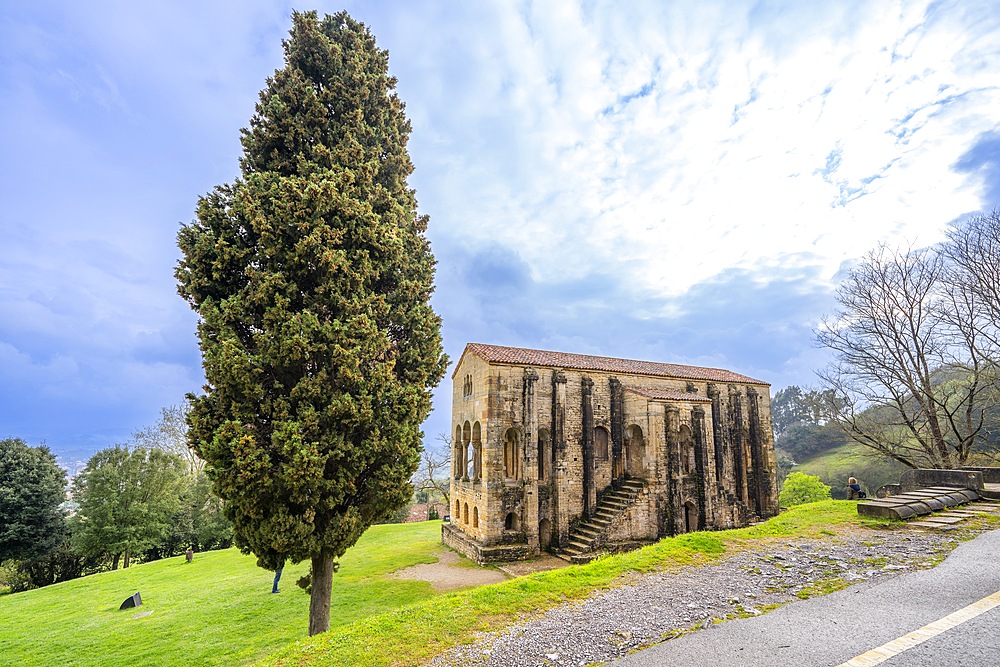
[911, 375]
[973, 250]
[434, 473]
[170, 434]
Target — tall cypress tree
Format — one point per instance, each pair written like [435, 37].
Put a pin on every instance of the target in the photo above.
[312, 276]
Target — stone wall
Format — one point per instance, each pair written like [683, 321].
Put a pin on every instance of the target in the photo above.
[551, 441]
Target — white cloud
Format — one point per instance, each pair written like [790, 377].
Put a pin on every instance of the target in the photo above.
[652, 179]
[672, 145]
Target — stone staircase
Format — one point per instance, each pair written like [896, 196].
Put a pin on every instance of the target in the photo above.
[587, 535]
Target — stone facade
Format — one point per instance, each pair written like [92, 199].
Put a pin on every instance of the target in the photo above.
[564, 452]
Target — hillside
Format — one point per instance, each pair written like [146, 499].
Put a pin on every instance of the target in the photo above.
[216, 610]
[835, 465]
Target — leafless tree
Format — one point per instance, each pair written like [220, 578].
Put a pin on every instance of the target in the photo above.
[434, 473]
[973, 251]
[170, 434]
[912, 372]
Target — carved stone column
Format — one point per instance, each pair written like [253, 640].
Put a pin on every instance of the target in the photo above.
[587, 445]
[739, 458]
[703, 470]
[672, 425]
[617, 432]
[760, 471]
[529, 421]
[718, 439]
[560, 517]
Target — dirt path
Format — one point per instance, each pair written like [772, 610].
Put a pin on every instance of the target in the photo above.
[447, 574]
[450, 572]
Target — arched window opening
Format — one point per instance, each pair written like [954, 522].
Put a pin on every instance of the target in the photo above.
[466, 453]
[475, 517]
[601, 443]
[465, 514]
[477, 451]
[510, 522]
[458, 510]
[690, 517]
[512, 455]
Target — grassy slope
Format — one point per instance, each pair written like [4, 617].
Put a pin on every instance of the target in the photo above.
[851, 460]
[217, 610]
[411, 635]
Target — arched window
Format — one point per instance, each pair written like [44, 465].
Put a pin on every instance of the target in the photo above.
[510, 522]
[601, 443]
[466, 454]
[458, 510]
[690, 517]
[544, 453]
[456, 454]
[477, 451]
[475, 517]
[512, 454]
[465, 514]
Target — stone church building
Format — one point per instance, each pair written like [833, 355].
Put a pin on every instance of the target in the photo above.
[578, 454]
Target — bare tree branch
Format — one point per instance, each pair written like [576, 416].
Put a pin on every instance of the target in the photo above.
[170, 434]
[913, 370]
[434, 473]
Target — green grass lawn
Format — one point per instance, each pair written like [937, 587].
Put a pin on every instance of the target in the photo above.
[216, 610]
[411, 635]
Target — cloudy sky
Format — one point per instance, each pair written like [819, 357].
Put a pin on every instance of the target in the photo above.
[674, 181]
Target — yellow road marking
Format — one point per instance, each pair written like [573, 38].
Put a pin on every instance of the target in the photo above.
[891, 649]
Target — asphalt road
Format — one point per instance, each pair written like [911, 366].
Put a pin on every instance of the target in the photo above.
[833, 629]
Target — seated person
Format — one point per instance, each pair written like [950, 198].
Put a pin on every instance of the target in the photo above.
[854, 491]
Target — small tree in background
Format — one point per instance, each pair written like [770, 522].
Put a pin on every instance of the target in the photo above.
[127, 500]
[432, 480]
[800, 488]
[32, 487]
[312, 277]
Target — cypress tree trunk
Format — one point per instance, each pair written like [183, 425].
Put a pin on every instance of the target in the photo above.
[319, 597]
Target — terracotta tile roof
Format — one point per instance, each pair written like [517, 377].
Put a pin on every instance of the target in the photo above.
[519, 356]
[665, 395]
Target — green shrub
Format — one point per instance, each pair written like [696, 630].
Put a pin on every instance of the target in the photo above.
[800, 488]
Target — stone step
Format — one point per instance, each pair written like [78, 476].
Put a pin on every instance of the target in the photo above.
[927, 524]
[944, 520]
[579, 548]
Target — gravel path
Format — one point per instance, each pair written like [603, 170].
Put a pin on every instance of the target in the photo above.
[654, 607]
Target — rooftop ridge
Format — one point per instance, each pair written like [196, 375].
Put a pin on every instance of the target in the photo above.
[521, 356]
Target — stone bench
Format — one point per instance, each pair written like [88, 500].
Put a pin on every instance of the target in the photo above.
[916, 502]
